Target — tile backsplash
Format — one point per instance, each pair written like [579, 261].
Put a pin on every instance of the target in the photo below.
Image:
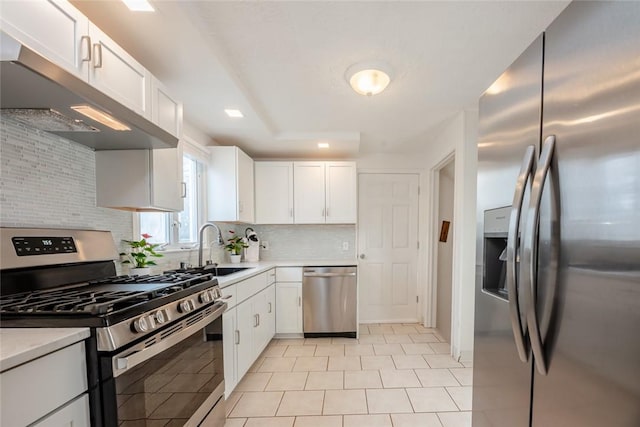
[302, 242]
[49, 181]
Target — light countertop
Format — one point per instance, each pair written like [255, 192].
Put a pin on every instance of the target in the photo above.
[254, 268]
[21, 345]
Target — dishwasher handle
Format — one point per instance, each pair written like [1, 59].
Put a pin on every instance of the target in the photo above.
[312, 274]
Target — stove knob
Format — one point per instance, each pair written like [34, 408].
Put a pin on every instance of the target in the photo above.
[140, 325]
[205, 297]
[216, 293]
[185, 306]
[159, 316]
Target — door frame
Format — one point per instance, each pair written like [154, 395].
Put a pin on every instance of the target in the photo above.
[433, 234]
[421, 288]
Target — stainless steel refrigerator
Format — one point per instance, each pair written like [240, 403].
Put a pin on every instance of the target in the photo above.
[557, 320]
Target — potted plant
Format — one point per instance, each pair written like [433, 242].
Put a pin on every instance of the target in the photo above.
[234, 245]
[139, 255]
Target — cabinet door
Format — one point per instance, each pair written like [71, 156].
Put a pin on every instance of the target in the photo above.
[53, 28]
[341, 197]
[274, 192]
[139, 179]
[245, 188]
[166, 179]
[74, 414]
[246, 323]
[166, 112]
[289, 308]
[118, 74]
[308, 193]
[270, 320]
[229, 350]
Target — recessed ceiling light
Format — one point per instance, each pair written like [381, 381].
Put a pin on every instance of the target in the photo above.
[100, 117]
[368, 78]
[233, 113]
[139, 5]
[323, 145]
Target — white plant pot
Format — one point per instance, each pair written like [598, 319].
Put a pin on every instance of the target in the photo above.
[235, 258]
[140, 271]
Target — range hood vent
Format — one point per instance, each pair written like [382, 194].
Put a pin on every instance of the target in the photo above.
[35, 91]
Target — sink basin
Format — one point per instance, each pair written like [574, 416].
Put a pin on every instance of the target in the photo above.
[218, 272]
[225, 271]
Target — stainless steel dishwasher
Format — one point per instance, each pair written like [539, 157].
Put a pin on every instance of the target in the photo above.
[329, 301]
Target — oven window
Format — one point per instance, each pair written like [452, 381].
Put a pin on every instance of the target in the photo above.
[167, 389]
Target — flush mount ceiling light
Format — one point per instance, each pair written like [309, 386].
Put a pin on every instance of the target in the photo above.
[139, 5]
[368, 78]
[323, 145]
[233, 113]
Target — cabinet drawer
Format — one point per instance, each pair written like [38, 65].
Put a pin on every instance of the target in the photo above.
[271, 276]
[289, 274]
[251, 286]
[75, 414]
[43, 385]
[231, 292]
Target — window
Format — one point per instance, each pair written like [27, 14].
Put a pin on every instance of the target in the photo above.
[179, 228]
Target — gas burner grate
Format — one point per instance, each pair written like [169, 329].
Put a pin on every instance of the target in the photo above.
[95, 297]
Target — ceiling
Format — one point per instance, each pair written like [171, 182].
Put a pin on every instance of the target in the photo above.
[283, 64]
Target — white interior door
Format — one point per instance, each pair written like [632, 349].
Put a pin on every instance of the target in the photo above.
[388, 247]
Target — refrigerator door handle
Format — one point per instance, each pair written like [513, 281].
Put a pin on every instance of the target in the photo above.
[526, 171]
[530, 250]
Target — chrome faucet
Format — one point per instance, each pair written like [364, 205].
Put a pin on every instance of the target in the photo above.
[218, 240]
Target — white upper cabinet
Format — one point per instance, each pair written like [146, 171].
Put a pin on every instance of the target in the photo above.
[117, 74]
[140, 180]
[54, 28]
[340, 197]
[58, 31]
[308, 192]
[324, 192]
[166, 112]
[274, 192]
[230, 185]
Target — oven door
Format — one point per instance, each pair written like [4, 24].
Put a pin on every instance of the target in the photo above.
[174, 377]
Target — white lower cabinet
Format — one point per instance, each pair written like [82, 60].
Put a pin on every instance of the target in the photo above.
[55, 384]
[289, 300]
[248, 327]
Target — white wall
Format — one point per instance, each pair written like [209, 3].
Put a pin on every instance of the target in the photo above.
[457, 138]
[444, 270]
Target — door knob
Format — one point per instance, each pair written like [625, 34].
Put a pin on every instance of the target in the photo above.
[361, 256]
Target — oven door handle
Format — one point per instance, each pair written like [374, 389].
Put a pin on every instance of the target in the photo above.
[122, 364]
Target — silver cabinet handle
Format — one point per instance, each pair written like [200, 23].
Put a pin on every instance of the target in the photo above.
[255, 320]
[184, 190]
[237, 337]
[85, 41]
[512, 249]
[269, 308]
[530, 249]
[97, 53]
[326, 212]
[362, 256]
[299, 301]
[258, 319]
[323, 212]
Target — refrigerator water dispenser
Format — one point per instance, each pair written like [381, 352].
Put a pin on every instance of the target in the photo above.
[496, 226]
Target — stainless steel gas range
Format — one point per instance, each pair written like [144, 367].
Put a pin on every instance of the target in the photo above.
[155, 352]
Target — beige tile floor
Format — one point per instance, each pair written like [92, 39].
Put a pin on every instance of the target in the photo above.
[394, 375]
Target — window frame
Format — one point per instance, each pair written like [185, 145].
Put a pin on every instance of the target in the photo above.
[194, 151]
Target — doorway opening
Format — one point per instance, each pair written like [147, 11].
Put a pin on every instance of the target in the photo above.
[443, 248]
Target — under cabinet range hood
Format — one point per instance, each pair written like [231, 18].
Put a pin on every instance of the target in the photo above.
[36, 91]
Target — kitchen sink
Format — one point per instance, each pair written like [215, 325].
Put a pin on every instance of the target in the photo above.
[225, 271]
[216, 271]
